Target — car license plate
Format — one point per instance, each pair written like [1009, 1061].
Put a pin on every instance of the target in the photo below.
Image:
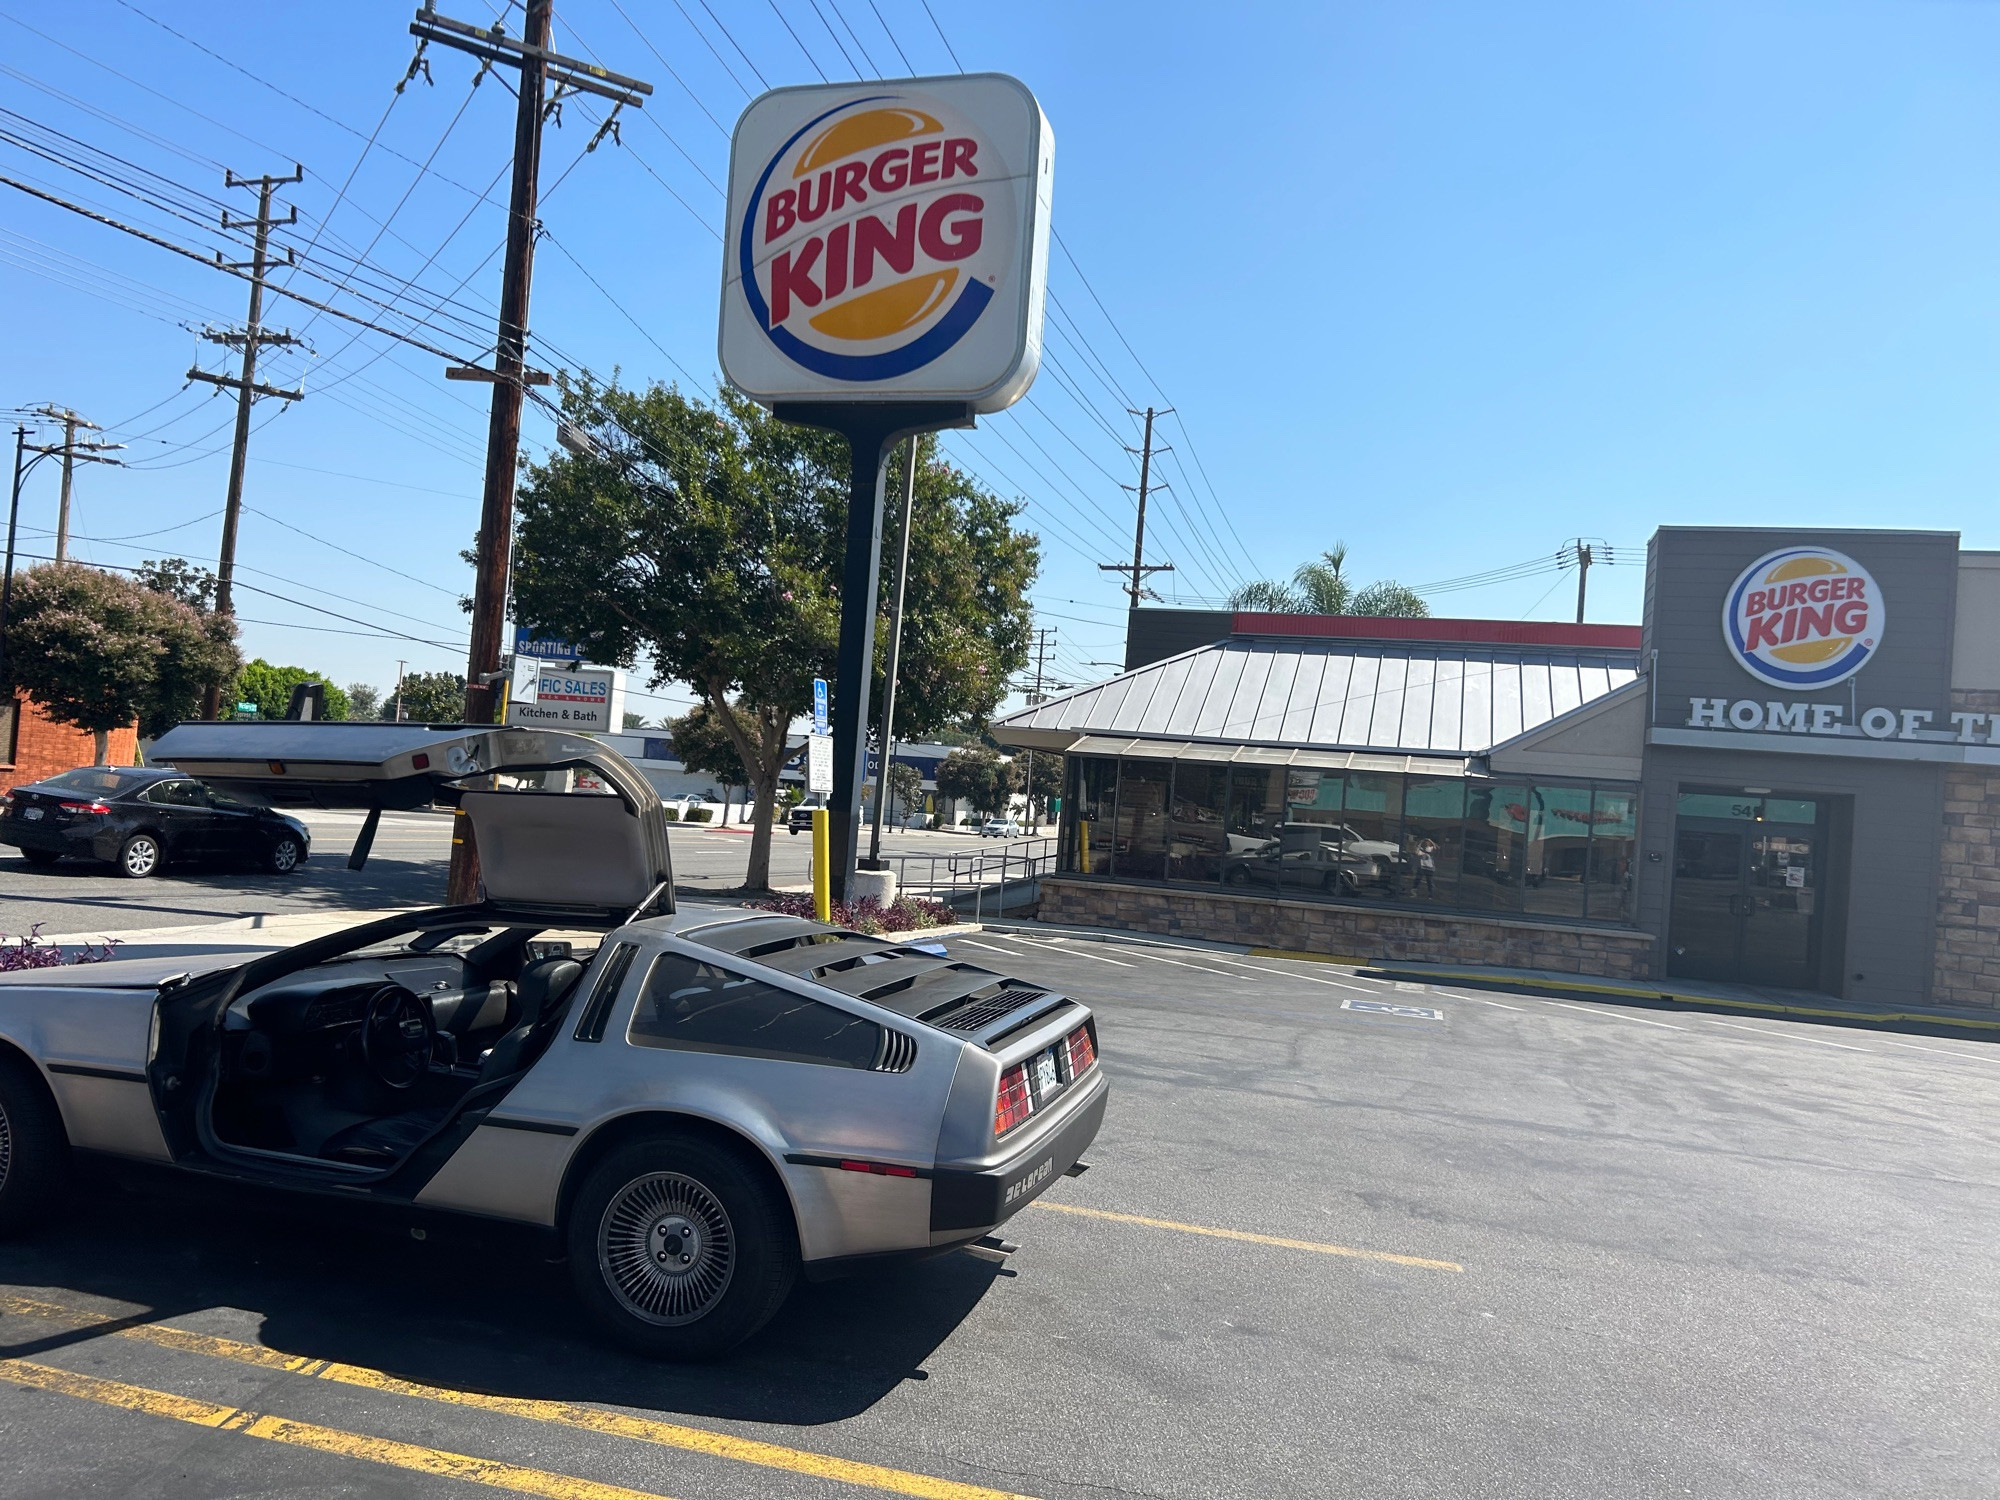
[32, 813]
[1046, 1079]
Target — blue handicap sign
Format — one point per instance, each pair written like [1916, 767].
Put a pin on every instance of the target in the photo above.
[819, 705]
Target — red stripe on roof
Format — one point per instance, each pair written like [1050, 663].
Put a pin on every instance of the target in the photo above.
[1463, 632]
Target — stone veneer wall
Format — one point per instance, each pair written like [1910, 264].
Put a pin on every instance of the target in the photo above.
[1373, 933]
[1967, 969]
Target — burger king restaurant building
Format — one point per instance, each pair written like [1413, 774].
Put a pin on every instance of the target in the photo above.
[1787, 777]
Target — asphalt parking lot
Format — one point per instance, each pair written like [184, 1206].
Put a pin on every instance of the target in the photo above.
[405, 869]
[1341, 1237]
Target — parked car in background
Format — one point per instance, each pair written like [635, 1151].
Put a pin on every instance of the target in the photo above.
[999, 828]
[136, 819]
[800, 818]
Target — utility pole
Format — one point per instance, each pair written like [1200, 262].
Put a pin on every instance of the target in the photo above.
[70, 452]
[538, 67]
[401, 664]
[1036, 695]
[510, 377]
[1139, 568]
[888, 745]
[1583, 561]
[251, 337]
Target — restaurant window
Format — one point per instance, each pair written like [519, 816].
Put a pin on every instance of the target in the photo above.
[1558, 849]
[1140, 848]
[1093, 790]
[1196, 842]
[1614, 844]
[1496, 825]
[1370, 834]
[1433, 838]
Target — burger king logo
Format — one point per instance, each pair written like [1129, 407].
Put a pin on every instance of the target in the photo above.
[1804, 617]
[876, 235]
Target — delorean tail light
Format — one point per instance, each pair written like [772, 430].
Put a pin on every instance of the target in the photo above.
[1015, 1103]
[1082, 1051]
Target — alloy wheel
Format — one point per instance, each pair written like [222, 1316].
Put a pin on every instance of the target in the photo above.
[285, 857]
[142, 856]
[666, 1248]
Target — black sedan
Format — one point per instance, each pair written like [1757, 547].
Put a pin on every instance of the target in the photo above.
[137, 819]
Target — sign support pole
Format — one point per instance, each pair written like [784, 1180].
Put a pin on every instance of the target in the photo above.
[872, 429]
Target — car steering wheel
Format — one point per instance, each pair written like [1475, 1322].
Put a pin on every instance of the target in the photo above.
[398, 1035]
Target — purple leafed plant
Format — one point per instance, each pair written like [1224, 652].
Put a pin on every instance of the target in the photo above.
[904, 914]
[29, 952]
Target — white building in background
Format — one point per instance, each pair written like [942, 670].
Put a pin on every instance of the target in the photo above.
[652, 751]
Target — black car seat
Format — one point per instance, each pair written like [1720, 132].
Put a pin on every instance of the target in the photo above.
[540, 992]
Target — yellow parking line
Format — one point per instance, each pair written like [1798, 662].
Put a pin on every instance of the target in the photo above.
[435, 1461]
[560, 1413]
[1254, 1239]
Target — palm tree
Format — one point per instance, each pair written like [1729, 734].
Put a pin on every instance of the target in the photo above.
[1321, 587]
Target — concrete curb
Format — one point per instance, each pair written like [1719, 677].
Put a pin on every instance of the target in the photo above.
[1658, 997]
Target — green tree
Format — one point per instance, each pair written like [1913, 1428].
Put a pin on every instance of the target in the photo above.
[1391, 599]
[710, 538]
[363, 701]
[701, 743]
[180, 579]
[983, 779]
[98, 651]
[429, 698]
[270, 687]
[1322, 587]
[634, 721]
[1043, 779]
[906, 785]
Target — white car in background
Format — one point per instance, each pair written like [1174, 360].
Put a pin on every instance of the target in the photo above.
[1000, 828]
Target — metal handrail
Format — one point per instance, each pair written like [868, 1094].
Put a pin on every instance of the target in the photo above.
[974, 870]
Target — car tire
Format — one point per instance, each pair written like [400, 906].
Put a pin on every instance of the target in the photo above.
[284, 855]
[1237, 876]
[34, 1151]
[673, 1195]
[141, 856]
[40, 856]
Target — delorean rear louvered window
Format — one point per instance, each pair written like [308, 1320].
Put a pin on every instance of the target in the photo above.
[691, 1005]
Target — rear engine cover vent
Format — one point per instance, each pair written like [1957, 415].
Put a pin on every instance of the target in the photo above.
[898, 1053]
[981, 1013]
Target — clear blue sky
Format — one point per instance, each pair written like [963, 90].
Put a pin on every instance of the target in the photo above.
[1450, 282]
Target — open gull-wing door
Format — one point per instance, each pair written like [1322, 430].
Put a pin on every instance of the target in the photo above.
[538, 847]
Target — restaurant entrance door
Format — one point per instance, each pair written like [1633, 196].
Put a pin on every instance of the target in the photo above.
[1748, 876]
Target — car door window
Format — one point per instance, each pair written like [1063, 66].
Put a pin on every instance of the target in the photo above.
[696, 1006]
[178, 794]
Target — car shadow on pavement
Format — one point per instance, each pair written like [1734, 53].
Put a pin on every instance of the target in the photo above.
[469, 1307]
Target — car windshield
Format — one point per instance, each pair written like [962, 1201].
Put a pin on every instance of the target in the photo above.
[98, 779]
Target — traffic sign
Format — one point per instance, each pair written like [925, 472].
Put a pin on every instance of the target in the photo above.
[819, 710]
[819, 764]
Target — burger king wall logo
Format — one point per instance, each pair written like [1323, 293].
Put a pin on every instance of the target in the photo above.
[1804, 617]
[888, 241]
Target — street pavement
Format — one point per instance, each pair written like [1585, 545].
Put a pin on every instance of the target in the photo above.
[1340, 1237]
[405, 869]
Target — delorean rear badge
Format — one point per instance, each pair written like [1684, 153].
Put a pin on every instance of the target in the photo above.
[1032, 1181]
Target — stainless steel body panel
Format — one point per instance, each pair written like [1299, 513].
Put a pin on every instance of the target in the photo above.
[503, 1174]
[91, 1044]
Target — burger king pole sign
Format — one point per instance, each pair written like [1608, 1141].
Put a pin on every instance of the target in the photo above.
[884, 263]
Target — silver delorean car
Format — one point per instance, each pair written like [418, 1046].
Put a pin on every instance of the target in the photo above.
[697, 1105]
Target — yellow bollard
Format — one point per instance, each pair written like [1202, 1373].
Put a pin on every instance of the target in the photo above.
[822, 864]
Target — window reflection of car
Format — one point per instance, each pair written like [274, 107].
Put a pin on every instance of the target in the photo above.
[1316, 866]
[695, 1106]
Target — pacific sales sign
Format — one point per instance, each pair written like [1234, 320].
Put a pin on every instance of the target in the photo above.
[888, 241]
